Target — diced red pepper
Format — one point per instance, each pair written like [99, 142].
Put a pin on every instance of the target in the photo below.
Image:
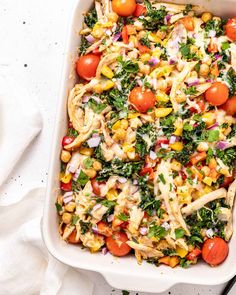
[139, 10]
[147, 170]
[194, 254]
[194, 159]
[67, 140]
[124, 34]
[183, 175]
[143, 48]
[66, 186]
[227, 181]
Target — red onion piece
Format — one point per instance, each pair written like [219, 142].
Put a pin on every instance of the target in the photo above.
[143, 231]
[134, 189]
[212, 33]
[104, 250]
[110, 218]
[217, 56]
[167, 18]
[116, 37]
[85, 98]
[193, 83]
[68, 194]
[96, 207]
[213, 126]
[153, 61]
[166, 225]
[221, 145]
[140, 83]
[90, 38]
[67, 200]
[95, 229]
[172, 61]
[209, 80]
[94, 141]
[152, 155]
[122, 179]
[135, 181]
[173, 139]
[210, 233]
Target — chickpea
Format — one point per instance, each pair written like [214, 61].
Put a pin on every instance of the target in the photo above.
[194, 74]
[70, 207]
[120, 134]
[97, 165]
[217, 18]
[144, 69]
[206, 170]
[206, 16]
[133, 55]
[202, 146]
[66, 217]
[161, 34]
[178, 181]
[113, 17]
[91, 173]
[124, 124]
[204, 70]
[98, 33]
[141, 34]
[65, 156]
[175, 165]
[161, 84]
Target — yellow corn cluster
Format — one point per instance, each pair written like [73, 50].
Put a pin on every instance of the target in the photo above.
[119, 129]
[163, 71]
[181, 252]
[162, 112]
[112, 194]
[107, 72]
[161, 96]
[177, 146]
[208, 118]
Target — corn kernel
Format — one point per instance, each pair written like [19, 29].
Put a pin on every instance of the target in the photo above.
[66, 178]
[113, 17]
[97, 31]
[162, 71]
[162, 112]
[124, 124]
[145, 57]
[181, 252]
[162, 96]
[133, 115]
[128, 148]
[112, 194]
[156, 53]
[119, 135]
[98, 88]
[208, 180]
[65, 156]
[207, 189]
[206, 16]
[107, 72]
[153, 38]
[107, 25]
[117, 125]
[86, 151]
[178, 131]
[208, 118]
[175, 165]
[108, 85]
[66, 217]
[183, 191]
[70, 207]
[177, 146]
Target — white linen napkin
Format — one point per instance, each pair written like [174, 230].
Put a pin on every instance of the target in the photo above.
[26, 268]
[20, 121]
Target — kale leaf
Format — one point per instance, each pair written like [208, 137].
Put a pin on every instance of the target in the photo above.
[231, 81]
[145, 138]
[91, 18]
[215, 25]
[228, 156]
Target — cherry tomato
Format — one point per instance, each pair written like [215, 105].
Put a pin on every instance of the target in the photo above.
[194, 254]
[139, 10]
[230, 106]
[188, 23]
[96, 186]
[142, 100]
[104, 229]
[67, 187]
[147, 170]
[67, 140]
[143, 48]
[71, 239]
[214, 251]
[124, 7]
[230, 29]
[86, 66]
[227, 181]
[116, 244]
[124, 34]
[217, 94]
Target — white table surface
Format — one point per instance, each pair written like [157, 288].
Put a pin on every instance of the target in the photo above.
[32, 34]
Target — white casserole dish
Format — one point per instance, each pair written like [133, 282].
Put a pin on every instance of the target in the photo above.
[123, 273]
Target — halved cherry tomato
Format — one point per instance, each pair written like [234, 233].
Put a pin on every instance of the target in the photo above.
[201, 106]
[67, 140]
[66, 186]
[124, 34]
[215, 251]
[194, 254]
[188, 23]
[230, 29]
[139, 10]
[96, 186]
[217, 94]
[86, 66]
[71, 239]
[227, 181]
[124, 7]
[143, 48]
[142, 100]
[104, 229]
[230, 106]
[147, 170]
[195, 158]
[116, 244]
[212, 47]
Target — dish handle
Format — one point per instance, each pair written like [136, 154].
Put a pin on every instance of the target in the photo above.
[132, 283]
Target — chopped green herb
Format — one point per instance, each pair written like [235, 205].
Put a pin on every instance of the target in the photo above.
[72, 132]
[58, 207]
[145, 138]
[96, 107]
[213, 135]
[75, 218]
[187, 9]
[190, 90]
[225, 45]
[179, 233]
[88, 163]
[156, 231]
[91, 18]
[123, 217]
[162, 178]
[85, 227]
[82, 179]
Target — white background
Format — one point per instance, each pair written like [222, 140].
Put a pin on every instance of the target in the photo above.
[32, 34]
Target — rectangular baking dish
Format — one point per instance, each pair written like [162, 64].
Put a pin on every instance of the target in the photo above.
[123, 273]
